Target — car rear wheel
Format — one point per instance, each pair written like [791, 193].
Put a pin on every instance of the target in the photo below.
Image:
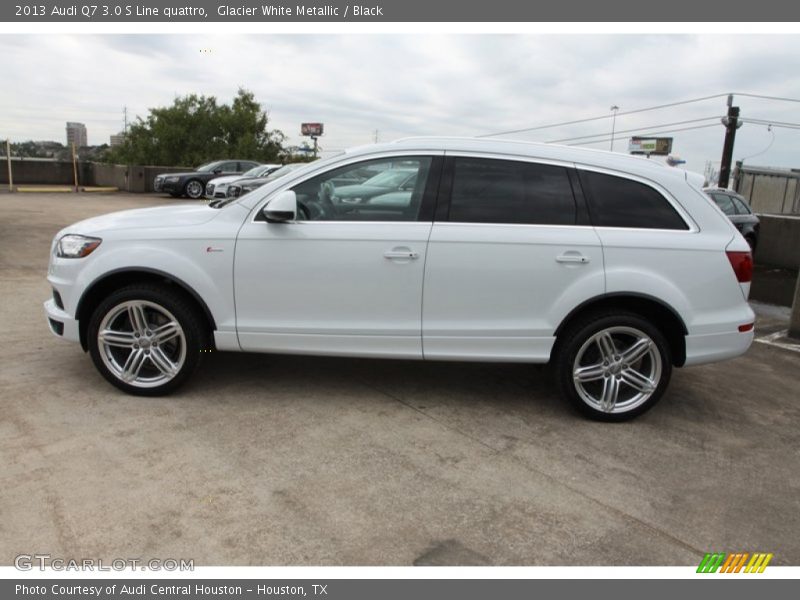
[146, 340]
[194, 189]
[613, 366]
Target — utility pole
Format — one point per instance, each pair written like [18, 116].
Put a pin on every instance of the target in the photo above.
[125, 119]
[376, 136]
[732, 123]
[8, 158]
[615, 108]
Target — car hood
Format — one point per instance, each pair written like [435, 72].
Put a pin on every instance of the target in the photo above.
[224, 179]
[249, 180]
[176, 215]
[353, 191]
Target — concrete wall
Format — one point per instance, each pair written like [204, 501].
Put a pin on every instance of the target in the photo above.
[131, 178]
[128, 178]
[774, 191]
[779, 241]
[44, 172]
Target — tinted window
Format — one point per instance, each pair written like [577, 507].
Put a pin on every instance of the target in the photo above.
[378, 190]
[501, 191]
[620, 202]
[725, 202]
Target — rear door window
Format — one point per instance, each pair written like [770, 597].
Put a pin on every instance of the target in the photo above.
[504, 191]
[619, 202]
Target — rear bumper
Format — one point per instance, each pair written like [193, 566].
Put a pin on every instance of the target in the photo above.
[60, 323]
[702, 349]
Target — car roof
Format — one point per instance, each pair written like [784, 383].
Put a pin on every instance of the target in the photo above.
[584, 156]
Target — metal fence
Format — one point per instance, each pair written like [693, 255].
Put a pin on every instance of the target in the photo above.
[769, 191]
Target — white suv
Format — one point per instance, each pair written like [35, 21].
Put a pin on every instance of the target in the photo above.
[614, 269]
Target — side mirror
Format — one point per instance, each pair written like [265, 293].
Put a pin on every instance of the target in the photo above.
[282, 208]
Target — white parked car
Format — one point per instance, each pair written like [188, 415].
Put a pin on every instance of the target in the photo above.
[218, 187]
[613, 269]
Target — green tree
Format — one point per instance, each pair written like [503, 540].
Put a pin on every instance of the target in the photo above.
[196, 129]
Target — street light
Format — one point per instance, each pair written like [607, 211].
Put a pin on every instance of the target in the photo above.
[615, 108]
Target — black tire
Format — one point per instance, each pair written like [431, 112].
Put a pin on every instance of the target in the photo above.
[183, 352]
[194, 189]
[579, 345]
[751, 241]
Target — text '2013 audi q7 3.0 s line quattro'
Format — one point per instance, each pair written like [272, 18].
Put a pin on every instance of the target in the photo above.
[611, 268]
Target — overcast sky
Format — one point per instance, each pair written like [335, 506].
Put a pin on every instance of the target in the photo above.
[406, 85]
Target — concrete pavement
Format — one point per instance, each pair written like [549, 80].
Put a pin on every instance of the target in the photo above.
[273, 460]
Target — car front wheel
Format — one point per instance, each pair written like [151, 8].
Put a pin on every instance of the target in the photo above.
[194, 189]
[146, 340]
[613, 367]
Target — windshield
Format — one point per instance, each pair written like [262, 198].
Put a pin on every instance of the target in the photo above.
[390, 179]
[254, 172]
[282, 171]
[208, 167]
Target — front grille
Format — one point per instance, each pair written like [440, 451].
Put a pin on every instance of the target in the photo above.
[210, 189]
[57, 299]
[157, 184]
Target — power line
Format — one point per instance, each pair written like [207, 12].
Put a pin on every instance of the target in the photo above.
[649, 134]
[599, 118]
[757, 121]
[640, 110]
[605, 134]
[779, 98]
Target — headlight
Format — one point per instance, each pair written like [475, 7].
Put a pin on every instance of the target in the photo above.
[76, 246]
[173, 179]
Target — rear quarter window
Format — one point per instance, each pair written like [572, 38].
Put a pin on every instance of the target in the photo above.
[620, 202]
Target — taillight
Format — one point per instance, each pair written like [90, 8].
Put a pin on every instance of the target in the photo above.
[742, 263]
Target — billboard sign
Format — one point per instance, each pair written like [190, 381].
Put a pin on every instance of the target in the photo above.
[311, 129]
[658, 146]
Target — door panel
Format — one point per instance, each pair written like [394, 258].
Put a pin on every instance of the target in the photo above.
[339, 281]
[498, 292]
[307, 287]
[512, 262]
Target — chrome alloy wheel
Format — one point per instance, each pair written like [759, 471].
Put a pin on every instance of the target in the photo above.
[141, 343]
[617, 369]
[194, 189]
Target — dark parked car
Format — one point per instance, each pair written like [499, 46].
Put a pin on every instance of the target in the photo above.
[739, 212]
[193, 184]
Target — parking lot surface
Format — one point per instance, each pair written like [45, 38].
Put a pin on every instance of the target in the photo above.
[279, 460]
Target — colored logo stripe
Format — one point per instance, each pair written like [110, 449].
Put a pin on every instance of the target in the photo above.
[734, 562]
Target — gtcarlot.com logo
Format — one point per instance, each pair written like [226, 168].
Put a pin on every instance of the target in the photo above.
[28, 562]
[734, 562]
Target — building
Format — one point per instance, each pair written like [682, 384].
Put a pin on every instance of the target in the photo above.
[76, 134]
[117, 139]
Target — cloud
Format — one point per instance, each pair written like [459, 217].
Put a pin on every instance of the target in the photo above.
[404, 85]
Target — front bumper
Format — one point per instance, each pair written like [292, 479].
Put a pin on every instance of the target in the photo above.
[160, 184]
[60, 323]
[216, 191]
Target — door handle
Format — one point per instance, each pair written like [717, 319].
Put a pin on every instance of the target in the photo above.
[402, 254]
[572, 258]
